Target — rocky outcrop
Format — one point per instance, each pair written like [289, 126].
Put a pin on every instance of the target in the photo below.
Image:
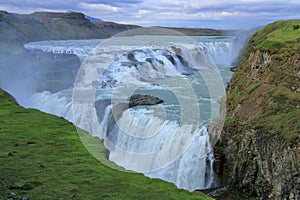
[259, 149]
[138, 99]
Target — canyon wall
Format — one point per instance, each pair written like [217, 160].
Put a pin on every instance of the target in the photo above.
[259, 149]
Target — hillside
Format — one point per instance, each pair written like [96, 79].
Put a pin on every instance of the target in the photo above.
[201, 31]
[17, 29]
[42, 157]
[259, 150]
[111, 28]
[48, 71]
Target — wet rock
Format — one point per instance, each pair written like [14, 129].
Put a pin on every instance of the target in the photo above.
[150, 60]
[171, 59]
[138, 99]
[131, 57]
[233, 69]
[153, 60]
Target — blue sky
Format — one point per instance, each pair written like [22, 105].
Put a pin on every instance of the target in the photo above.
[219, 14]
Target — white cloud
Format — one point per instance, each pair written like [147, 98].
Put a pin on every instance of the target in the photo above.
[191, 13]
[225, 14]
[144, 12]
[98, 7]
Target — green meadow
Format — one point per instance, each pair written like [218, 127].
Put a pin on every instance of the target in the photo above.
[42, 157]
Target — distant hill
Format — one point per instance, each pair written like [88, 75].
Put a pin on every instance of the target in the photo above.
[92, 19]
[114, 28]
[201, 31]
[18, 29]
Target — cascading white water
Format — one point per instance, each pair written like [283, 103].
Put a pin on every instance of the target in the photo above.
[218, 45]
[187, 166]
[223, 49]
[59, 104]
[81, 48]
[188, 161]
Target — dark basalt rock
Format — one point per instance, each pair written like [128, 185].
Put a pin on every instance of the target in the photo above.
[131, 56]
[138, 99]
[234, 68]
[171, 59]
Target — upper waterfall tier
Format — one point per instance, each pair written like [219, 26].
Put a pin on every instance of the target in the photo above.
[222, 49]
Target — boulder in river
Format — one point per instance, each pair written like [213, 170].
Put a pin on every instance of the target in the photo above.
[138, 99]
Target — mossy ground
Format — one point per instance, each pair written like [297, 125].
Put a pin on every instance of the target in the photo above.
[43, 154]
[265, 91]
[278, 35]
[259, 147]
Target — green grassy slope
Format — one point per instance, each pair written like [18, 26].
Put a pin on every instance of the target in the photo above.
[44, 156]
[281, 34]
[259, 149]
[266, 87]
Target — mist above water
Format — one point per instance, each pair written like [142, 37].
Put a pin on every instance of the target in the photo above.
[193, 169]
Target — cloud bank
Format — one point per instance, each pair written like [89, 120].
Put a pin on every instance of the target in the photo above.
[220, 14]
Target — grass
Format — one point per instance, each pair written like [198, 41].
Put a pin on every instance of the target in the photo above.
[253, 87]
[286, 123]
[61, 26]
[43, 154]
[278, 35]
[269, 97]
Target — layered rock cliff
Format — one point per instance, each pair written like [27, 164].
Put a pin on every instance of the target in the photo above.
[259, 150]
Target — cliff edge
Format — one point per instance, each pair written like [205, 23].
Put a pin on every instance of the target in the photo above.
[259, 150]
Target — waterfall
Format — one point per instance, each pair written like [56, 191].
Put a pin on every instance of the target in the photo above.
[223, 50]
[168, 141]
[59, 104]
[81, 48]
[176, 154]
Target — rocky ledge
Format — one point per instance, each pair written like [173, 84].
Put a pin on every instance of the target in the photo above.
[259, 150]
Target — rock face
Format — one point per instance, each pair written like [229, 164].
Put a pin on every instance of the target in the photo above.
[138, 99]
[259, 150]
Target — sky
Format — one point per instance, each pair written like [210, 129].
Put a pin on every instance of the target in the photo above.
[218, 14]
